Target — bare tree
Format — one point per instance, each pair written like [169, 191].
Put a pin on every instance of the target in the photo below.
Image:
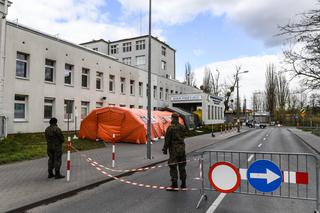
[282, 95]
[189, 75]
[271, 89]
[215, 83]
[304, 57]
[207, 81]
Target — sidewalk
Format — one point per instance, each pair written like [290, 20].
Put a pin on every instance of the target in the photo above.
[26, 182]
[310, 139]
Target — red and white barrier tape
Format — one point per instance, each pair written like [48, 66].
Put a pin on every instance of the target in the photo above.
[149, 186]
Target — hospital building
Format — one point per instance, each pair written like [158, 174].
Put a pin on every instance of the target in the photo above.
[41, 73]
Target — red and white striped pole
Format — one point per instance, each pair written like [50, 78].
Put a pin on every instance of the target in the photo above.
[68, 159]
[113, 150]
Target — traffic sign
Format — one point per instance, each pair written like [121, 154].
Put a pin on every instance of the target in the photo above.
[264, 176]
[224, 177]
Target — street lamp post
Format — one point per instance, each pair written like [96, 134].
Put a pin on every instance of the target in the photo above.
[238, 101]
[149, 88]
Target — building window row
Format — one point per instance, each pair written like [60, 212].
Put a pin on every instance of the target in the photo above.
[215, 113]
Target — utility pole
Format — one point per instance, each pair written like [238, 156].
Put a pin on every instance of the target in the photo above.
[149, 88]
[238, 102]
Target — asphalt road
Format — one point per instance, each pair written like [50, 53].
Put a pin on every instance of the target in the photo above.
[117, 197]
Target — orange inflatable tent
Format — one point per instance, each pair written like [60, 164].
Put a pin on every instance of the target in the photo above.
[128, 125]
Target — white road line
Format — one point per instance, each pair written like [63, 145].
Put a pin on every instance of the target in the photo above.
[264, 139]
[267, 135]
[250, 157]
[216, 203]
[260, 145]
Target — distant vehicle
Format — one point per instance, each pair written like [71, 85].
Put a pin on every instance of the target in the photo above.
[272, 123]
[260, 125]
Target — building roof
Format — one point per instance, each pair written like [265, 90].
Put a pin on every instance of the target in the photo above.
[128, 39]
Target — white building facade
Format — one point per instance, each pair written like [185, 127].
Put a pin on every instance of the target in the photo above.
[41, 73]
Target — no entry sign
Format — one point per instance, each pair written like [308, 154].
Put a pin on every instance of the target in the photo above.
[224, 177]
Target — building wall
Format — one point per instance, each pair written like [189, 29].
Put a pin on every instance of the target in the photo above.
[40, 47]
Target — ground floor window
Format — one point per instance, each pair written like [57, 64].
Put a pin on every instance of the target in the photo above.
[20, 107]
[84, 109]
[68, 109]
[48, 108]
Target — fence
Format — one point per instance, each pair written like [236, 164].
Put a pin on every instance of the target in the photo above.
[292, 165]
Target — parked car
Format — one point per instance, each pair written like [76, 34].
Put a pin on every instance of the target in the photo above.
[260, 125]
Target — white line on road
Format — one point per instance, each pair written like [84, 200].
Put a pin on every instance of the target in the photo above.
[264, 139]
[267, 135]
[250, 157]
[260, 145]
[216, 203]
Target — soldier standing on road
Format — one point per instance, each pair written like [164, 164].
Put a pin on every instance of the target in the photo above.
[55, 140]
[174, 141]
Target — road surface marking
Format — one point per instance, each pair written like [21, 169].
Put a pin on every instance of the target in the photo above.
[267, 135]
[250, 157]
[260, 145]
[216, 203]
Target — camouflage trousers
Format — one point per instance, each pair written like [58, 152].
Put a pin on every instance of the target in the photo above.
[181, 167]
[54, 161]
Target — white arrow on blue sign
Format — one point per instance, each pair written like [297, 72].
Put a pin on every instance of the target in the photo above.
[264, 176]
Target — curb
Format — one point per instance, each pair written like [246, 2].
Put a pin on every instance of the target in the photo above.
[305, 142]
[96, 184]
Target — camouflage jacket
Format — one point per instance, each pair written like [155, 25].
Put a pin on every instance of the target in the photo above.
[54, 137]
[174, 140]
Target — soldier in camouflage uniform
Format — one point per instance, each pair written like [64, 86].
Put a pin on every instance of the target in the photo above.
[55, 140]
[174, 141]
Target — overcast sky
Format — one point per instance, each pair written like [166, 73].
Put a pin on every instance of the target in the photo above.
[216, 33]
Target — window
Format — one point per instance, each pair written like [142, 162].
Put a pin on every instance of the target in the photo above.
[126, 47]
[171, 91]
[131, 106]
[99, 81]
[216, 113]
[111, 83]
[122, 105]
[155, 92]
[99, 104]
[140, 89]
[141, 60]
[161, 93]
[49, 70]
[168, 76]
[95, 48]
[163, 51]
[209, 112]
[140, 107]
[127, 60]
[166, 94]
[123, 86]
[163, 65]
[114, 49]
[22, 65]
[48, 108]
[68, 109]
[140, 45]
[20, 107]
[68, 74]
[131, 87]
[84, 109]
[85, 78]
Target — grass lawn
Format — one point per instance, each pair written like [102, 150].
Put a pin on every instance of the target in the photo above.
[19, 147]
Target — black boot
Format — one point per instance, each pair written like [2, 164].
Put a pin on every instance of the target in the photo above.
[173, 187]
[58, 175]
[50, 175]
[183, 184]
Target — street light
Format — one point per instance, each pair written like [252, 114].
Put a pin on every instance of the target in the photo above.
[149, 88]
[238, 102]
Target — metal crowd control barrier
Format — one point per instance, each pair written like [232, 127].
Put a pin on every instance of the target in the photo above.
[291, 165]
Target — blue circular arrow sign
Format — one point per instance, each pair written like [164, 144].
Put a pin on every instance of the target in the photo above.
[264, 176]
